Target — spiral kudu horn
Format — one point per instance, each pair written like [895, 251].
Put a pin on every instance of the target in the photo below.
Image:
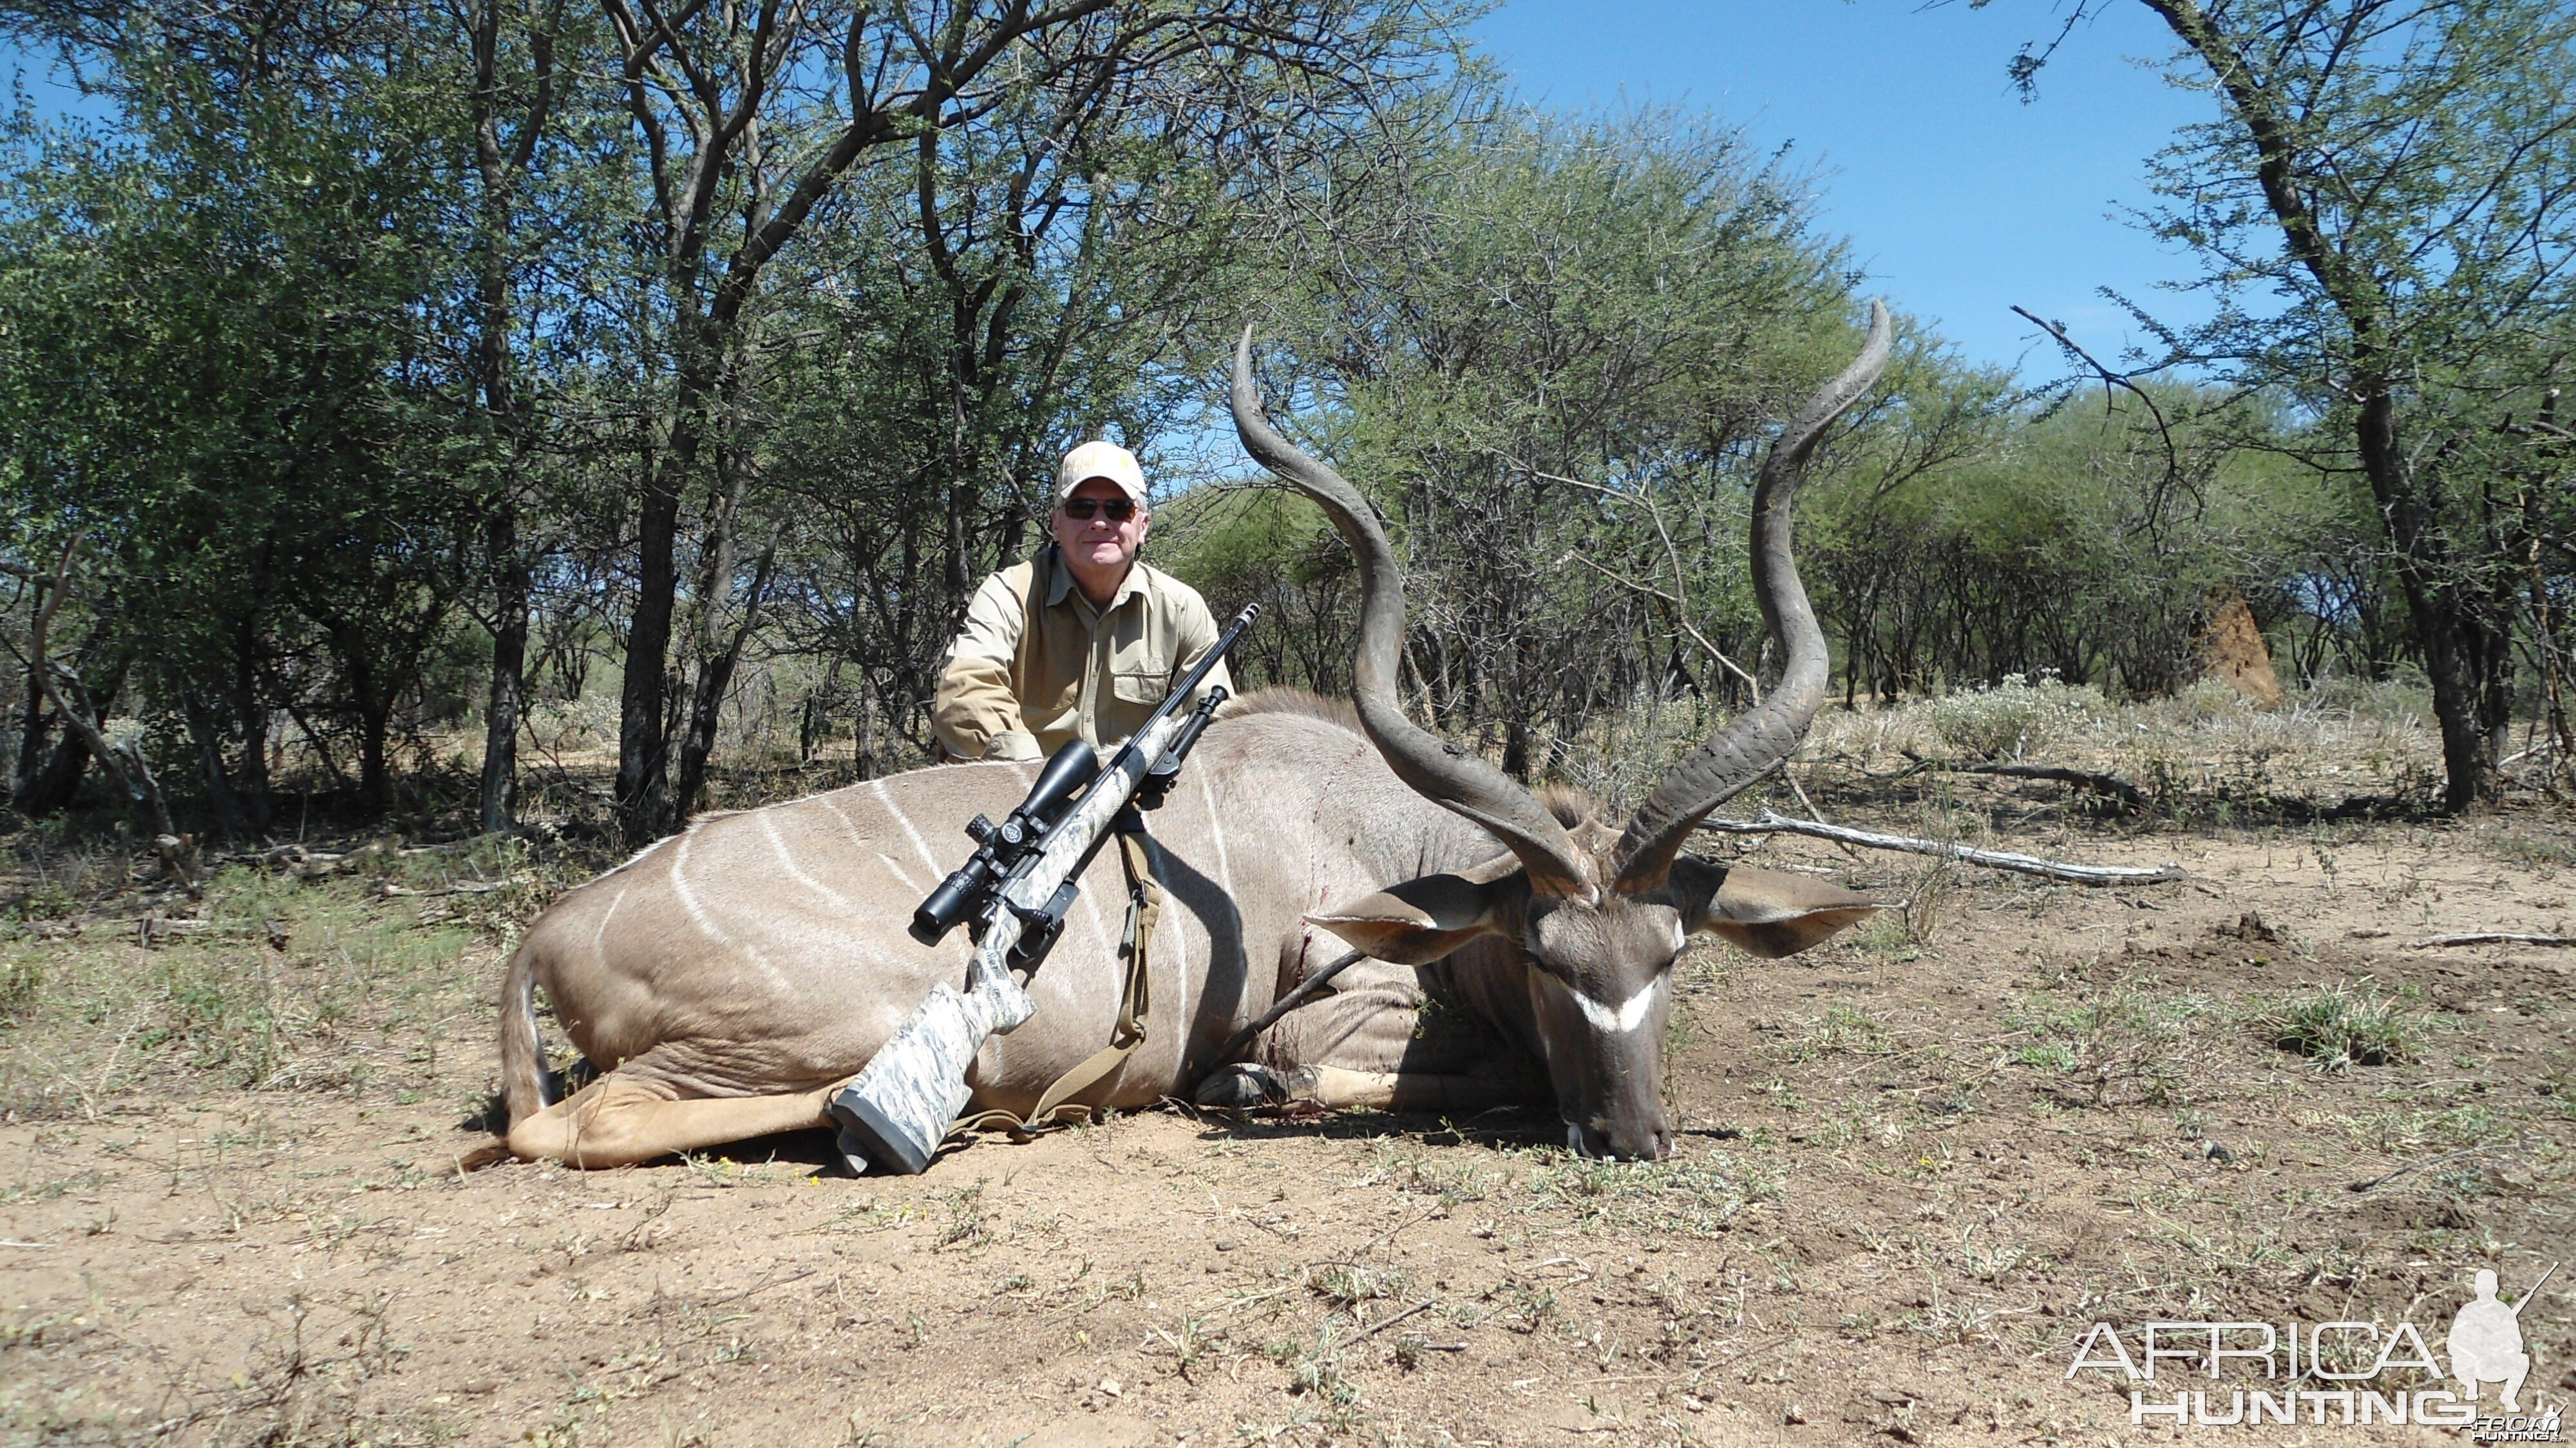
[1443, 773]
[1767, 733]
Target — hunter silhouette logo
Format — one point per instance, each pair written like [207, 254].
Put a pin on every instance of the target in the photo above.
[2486, 1340]
[2338, 1373]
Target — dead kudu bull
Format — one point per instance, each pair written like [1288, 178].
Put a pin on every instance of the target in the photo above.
[729, 979]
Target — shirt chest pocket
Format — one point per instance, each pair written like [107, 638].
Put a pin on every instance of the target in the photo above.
[1138, 674]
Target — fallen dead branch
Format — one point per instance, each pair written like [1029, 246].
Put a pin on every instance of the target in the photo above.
[2494, 937]
[2369, 1182]
[390, 891]
[1771, 823]
[306, 863]
[2105, 784]
[1384, 1323]
[151, 930]
[2111, 785]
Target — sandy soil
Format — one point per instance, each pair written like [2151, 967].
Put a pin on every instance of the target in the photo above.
[1916, 1166]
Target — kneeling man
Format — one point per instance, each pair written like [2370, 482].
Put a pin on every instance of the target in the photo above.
[1081, 641]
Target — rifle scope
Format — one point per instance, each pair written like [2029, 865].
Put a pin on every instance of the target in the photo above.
[998, 847]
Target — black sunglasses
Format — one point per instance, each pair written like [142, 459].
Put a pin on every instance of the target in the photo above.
[1118, 510]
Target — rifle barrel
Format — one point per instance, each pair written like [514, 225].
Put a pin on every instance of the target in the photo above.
[2535, 1289]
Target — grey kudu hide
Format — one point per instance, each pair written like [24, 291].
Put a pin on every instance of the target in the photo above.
[729, 979]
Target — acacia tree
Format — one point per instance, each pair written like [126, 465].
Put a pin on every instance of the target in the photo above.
[228, 387]
[2386, 206]
[1557, 351]
[750, 118]
[1064, 268]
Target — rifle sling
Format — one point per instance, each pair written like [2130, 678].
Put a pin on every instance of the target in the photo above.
[1135, 1002]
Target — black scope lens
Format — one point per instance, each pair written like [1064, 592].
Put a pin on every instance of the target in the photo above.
[948, 904]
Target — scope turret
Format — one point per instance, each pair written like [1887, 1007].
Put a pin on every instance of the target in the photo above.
[1000, 847]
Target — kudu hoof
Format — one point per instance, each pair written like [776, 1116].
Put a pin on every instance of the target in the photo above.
[1241, 1087]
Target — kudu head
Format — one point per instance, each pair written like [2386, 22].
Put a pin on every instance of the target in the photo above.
[1601, 918]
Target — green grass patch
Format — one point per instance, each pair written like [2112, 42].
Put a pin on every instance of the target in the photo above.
[1842, 1030]
[22, 979]
[1697, 1196]
[2342, 1025]
[2129, 1040]
[2535, 851]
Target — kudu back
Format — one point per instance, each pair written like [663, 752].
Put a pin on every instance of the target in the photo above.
[727, 980]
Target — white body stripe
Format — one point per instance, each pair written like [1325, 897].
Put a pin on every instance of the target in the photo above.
[599, 932]
[1216, 832]
[839, 901]
[898, 871]
[706, 922]
[843, 816]
[689, 897]
[878, 787]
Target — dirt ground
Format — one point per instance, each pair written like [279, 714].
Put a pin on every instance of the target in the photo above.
[1915, 1167]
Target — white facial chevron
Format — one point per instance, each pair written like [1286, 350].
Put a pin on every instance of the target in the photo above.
[1629, 1016]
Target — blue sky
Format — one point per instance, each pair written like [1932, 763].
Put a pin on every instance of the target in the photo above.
[1960, 200]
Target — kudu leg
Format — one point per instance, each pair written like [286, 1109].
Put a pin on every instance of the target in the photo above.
[1377, 1043]
[619, 1120]
[1340, 1088]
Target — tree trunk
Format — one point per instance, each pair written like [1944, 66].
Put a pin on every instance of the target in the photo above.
[500, 811]
[209, 739]
[33, 730]
[863, 754]
[257, 805]
[87, 721]
[500, 168]
[54, 787]
[2462, 652]
[816, 720]
[715, 680]
[252, 711]
[641, 797]
[375, 780]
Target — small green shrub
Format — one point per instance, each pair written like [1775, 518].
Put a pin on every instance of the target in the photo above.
[1345, 1283]
[20, 979]
[220, 1012]
[49, 900]
[2199, 702]
[2015, 717]
[2340, 1025]
[1842, 1030]
[2406, 700]
[2535, 851]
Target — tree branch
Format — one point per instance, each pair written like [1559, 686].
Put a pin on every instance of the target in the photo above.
[1771, 823]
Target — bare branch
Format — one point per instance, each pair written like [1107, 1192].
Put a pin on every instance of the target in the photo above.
[1771, 823]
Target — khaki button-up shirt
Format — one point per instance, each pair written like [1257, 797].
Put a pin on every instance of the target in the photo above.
[1036, 665]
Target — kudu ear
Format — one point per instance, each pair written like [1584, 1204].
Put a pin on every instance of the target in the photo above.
[1430, 916]
[1768, 913]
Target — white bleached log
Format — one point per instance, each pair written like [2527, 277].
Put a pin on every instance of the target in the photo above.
[1771, 823]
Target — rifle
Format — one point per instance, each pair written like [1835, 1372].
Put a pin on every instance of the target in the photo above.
[1012, 894]
[2535, 1289]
